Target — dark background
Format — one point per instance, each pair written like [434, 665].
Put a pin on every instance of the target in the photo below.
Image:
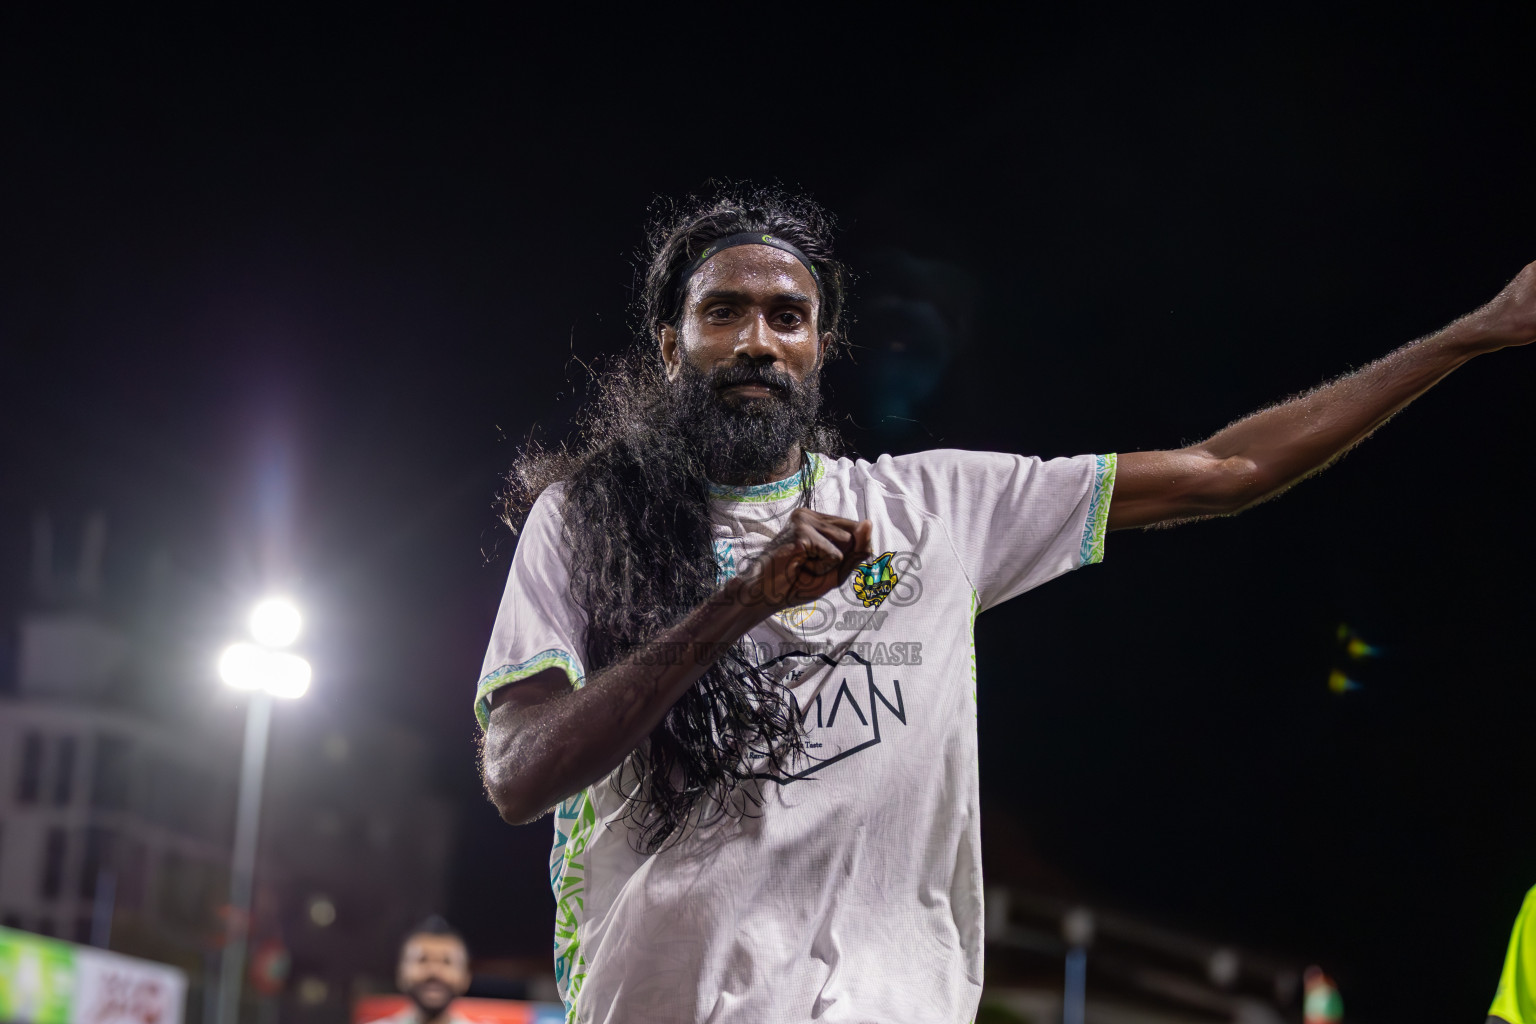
[357, 253]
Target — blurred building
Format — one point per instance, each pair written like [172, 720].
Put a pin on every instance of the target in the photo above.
[111, 824]
[118, 772]
[107, 823]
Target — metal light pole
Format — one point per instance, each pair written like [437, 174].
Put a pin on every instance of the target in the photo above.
[1075, 995]
[258, 716]
[266, 673]
[1077, 929]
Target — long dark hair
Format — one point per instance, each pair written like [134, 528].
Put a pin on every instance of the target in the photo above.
[636, 518]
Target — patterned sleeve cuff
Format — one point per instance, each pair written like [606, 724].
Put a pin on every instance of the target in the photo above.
[1098, 509]
[507, 674]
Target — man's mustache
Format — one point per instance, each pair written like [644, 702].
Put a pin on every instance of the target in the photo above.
[424, 991]
[767, 376]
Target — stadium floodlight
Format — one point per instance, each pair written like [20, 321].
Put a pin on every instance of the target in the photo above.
[248, 667]
[275, 622]
[265, 672]
[240, 666]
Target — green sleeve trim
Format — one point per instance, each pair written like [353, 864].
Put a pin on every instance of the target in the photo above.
[507, 674]
[1098, 509]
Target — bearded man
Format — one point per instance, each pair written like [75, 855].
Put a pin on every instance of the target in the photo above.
[740, 668]
[433, 971]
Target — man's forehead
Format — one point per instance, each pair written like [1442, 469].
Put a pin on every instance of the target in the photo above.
[433, 945]
[753, 268]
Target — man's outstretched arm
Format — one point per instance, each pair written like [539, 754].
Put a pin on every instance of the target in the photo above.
[1261, 455]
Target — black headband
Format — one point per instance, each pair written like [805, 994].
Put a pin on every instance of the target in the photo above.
[742, 238]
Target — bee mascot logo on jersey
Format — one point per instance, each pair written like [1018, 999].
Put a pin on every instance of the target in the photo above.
[874, 580]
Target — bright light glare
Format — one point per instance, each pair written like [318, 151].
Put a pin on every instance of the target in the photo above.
[275, 622]
[248, 667]
[240, 666]
[289, 677]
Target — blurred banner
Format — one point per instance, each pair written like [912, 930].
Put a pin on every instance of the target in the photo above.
[369, 1009]
[46, 981]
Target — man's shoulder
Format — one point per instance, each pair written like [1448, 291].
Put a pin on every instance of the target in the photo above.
[916, 471]
[910, 479]
[548, 510]
[949, 482]
[924, 459]
[854, 465]
[543, 528]
[551, 500]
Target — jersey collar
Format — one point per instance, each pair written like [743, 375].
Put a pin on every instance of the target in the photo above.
[778, 490]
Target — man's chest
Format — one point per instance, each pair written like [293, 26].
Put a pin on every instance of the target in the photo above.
[878, 667]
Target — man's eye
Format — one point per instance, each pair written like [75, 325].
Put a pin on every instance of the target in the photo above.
[720, 313]
[789, 319]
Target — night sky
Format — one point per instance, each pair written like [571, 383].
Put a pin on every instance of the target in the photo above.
[353, 261]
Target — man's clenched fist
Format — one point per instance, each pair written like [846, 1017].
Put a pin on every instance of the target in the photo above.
[812, 555]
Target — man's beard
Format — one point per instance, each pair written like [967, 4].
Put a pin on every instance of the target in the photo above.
[430, 997]
[743, 440]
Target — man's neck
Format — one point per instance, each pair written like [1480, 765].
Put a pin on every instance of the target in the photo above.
[788, 468]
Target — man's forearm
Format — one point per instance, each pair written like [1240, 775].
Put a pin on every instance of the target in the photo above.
[1265, 453]
[559, 745]
[1261, 455]
[1278, 446]
[545, 742]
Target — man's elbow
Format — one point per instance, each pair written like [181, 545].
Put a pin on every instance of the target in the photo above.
[521, 812]
[513, 798]
[1233, 484]
[510, 784]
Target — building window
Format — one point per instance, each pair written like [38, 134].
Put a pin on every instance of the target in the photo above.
[63, 771]
[109, 781]
[83, 930]
[96, 859]
[10, 921]
[131, 866]
[30, 781]
[44, 926]
[53, 865]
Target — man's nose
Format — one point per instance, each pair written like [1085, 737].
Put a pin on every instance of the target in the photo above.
[757, 340]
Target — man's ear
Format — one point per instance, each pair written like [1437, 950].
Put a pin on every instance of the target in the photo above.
[823, 346]
[666, 337]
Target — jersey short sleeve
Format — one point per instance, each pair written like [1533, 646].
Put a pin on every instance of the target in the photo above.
[1515, 999]
[1015, 521]
[538, 625]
